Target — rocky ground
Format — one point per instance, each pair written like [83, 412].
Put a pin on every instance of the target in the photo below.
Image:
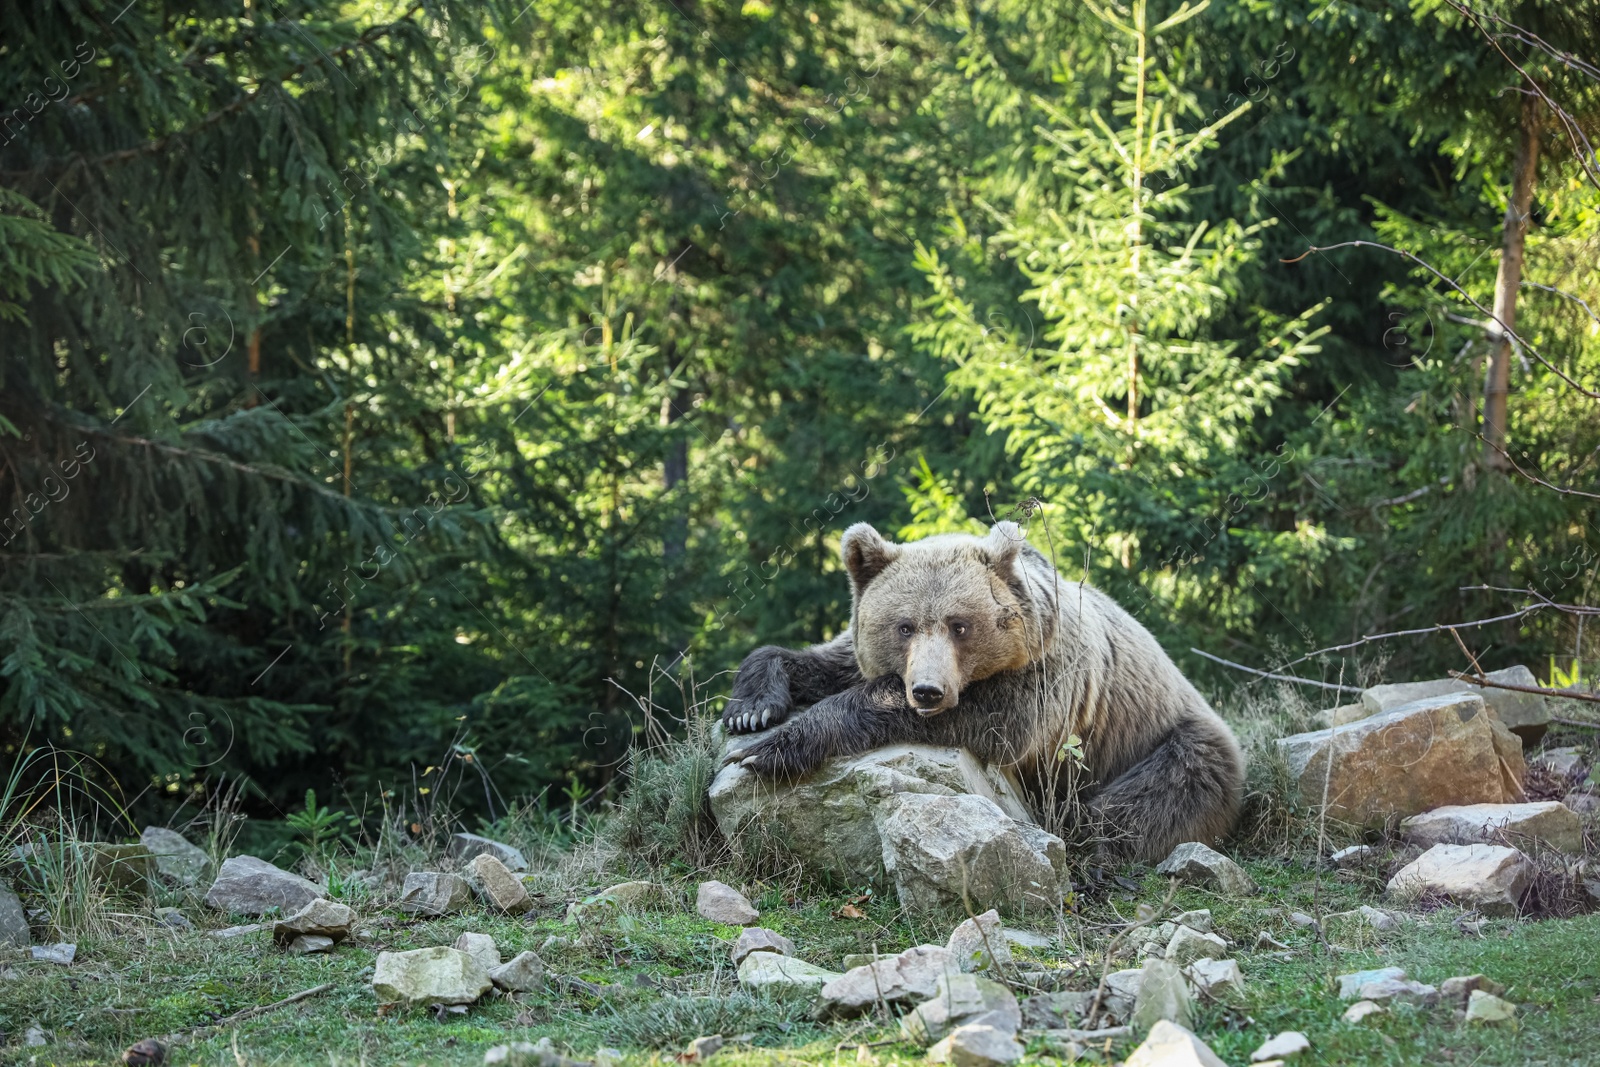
[1456, 926]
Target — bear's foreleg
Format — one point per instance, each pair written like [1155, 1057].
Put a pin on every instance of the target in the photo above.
[773, 681]
[1188, 789]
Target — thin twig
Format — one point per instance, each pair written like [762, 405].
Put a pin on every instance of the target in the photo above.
[248, 1013]
[1276, 677]
[1564, 694]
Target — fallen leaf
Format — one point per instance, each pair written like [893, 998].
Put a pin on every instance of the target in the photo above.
[850, 911]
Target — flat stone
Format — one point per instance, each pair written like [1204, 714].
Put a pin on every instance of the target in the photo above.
[1549, 822]
[1028, 939]
[1163, 994]
[496, 886]
[319, 918]
[1359, 1011]
[1350, 984]
[306, 944]
[1491, 878]
[1198, 920]
[1412, 759]
[721, 903]
[1217, 979]
[909, 977]
[434, 893]
[760, 939]
[228, 933]
[174, 856]
[1265, 940]
[429, 976]
[1582, 803]
[463, 848]
[541, 1053]
[773, 971]
[1301, 919]
[958, 1000]
[977, 1045]
[1562, 761]
[1202, 865]
[1487, 1008]
[249, 886]
[852, 960]
[480, 947]
[1355, 856]
[62, 953]
[1056, 1011]
[1402, 989]
[943, 850]
[13, 919]
[631, 894]
[1172, 1045]
[979, 943]
[172, 919]
[1528, 714]
[522, 973]
[1289, 1043]
[1189, 945]
[1458, 989]
[1377, 919]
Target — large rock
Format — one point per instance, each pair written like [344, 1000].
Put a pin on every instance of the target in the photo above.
[1549, 822]
[319, 918]
[773, 971]
[944, 851]
[175, 858]
[1491, 878]
[906, 978]
[1526, 714]
[1403, 762]
[429, 976]
[464, 848]
[961, 999]
[1171, 1045]
[250, 886]
[13, 919]
[831, 822]
[721, 903]
[1203, 865]
[434, 893]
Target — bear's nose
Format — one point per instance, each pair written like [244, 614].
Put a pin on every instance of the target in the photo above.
[927, 696]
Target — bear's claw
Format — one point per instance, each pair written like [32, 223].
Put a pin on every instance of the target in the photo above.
[739, 721]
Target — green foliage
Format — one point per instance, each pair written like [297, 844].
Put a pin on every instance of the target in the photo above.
[321, 828]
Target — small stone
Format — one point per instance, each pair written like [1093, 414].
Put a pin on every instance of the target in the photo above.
[1491, 878]
[429, 976]
[977, 1045]
[1300, 918]
[1350, 984]
[320, 918]
[1458, 989]
[1056, 1011]
[911, 976]
[526, 1054]
[772, 970]
[61, 953]
[703, 1048]
[607, 1057]
[1171, 1045]
[1288, 1043]
[1163, 994]
[1489, 1009]
[760, 939]
[1358, 1011]
[249, 886]
[1198, 920]
[979, 943]
[553, 944]
[1402, 989]
[172, 919]
[175, 858]
[523, 973]
[1562, 761]
[1582, 803]
[306, 944]
[228, 933]
[1189, 945]
[1355, 856]
[1217, 979]
[13, 920]
[34, 1036]
[1264, 940]
[721, 903]
[1028, 939]
[464, 848]
[961, 999]
[480, 947]
[1201, 865]
[434, 893]
[632, 894]
[496, 885]
[852, 960]
[145, 1053]
[1378, 919]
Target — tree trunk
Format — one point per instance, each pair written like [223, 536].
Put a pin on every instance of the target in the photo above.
[1497, 382]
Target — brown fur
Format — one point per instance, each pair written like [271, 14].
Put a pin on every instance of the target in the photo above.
[978, 642]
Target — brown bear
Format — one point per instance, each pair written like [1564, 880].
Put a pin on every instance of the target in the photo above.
[979, 643]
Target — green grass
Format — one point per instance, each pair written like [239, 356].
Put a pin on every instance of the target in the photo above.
[666, 978]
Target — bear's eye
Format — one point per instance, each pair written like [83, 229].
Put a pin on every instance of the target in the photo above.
[959, 629]
[906, 629]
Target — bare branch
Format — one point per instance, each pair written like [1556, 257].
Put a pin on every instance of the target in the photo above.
[1275, 677]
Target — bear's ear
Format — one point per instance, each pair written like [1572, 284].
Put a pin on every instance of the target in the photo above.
[1002, 546]
[865, 554]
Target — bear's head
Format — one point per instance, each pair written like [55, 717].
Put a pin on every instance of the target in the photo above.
[947, 610]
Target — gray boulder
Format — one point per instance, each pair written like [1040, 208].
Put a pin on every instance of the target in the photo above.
[522, 973]
[760, 939]
[496, 886]
[942, 851]
[1526, 714]
[319, 918]
[1172, 1045]
[1491, 878]
[434, 893]
[1548, 822]
[175, 858]
[1202, 865]
[13, 919]
[906, 978]
[429, 976]
[980, 943]
[721, 903]
[977, 1045]
[1163, 994]
[250, 886]
[776, 972]
[480, 947]
[463, 848]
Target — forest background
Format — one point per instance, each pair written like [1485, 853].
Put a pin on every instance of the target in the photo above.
[403, 398]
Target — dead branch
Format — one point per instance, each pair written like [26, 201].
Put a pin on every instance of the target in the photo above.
[1419, 632]
[1275, 677]
[248, 1013]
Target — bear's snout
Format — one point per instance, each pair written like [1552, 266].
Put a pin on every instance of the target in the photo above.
[924, 695]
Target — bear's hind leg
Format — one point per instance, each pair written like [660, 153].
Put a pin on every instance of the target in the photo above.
[1188, 789]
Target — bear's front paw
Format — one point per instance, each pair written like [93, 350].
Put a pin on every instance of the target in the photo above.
[746, 715]
[781, 754]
